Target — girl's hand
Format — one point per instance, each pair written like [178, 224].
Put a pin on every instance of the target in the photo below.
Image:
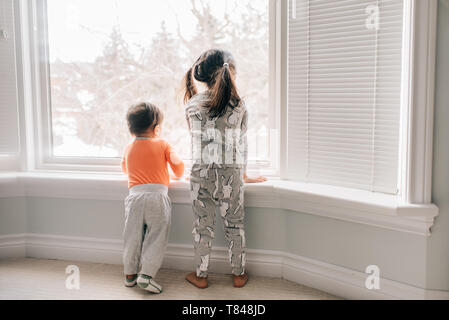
[258, 179]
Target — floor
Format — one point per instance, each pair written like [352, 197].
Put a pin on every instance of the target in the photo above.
[46, 279]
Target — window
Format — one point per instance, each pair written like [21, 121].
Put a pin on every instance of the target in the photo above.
[102, 61]
[344, 95]
[348, 85]
[409, 211]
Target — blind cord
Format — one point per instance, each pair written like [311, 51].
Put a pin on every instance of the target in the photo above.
[307, 94]
[3, 21]
[373, 138]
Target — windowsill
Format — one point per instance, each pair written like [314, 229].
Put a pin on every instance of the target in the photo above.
[358, 206]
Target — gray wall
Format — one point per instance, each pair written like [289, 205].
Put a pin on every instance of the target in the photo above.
[13, 214]
[438, 244]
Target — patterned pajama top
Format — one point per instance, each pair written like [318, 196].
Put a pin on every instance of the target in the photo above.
[219, 142]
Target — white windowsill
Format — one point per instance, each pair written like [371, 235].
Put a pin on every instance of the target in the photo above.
[358, 206]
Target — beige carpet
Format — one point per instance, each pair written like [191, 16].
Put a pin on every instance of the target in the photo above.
[46, 279]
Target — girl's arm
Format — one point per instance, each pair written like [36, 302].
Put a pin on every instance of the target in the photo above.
[244, 136]
[258, 179]
[244, 130]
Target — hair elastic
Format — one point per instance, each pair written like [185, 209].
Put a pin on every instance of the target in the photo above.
[225, 64]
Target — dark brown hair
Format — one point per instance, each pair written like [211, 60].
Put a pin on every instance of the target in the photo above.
[143, 116]
[217, 69]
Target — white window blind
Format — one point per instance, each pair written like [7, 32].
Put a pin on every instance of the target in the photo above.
[9, 134]
[344, 88]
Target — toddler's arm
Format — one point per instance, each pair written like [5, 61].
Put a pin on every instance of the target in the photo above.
[176, 164]
[123, 163]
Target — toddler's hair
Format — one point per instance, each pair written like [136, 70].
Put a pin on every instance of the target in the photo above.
[142, 117]
[217, 69]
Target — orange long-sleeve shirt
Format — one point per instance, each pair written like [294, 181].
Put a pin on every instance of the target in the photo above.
[145, 162]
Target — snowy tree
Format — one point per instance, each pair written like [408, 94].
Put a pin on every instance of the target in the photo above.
[90, 99]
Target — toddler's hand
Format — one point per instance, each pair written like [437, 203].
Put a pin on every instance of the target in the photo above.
[173, 177]
[258, 179]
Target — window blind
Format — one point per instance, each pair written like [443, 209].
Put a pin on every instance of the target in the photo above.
[344, 92]
[9, 129]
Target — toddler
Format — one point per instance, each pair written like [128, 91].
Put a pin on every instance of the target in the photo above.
[147, 207]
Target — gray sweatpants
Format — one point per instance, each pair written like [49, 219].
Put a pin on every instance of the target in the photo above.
[223, 189]
[147, 224]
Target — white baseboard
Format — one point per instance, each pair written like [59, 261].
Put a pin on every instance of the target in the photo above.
[330, 278]
[12, 246]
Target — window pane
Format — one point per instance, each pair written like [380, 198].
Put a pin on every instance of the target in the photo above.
[106, 55]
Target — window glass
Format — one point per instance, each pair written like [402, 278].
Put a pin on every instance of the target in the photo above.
[106, 55]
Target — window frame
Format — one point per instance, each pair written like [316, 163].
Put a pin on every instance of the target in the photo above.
[37, 33]
[416, 144]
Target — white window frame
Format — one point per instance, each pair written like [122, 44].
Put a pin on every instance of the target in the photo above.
[418, 101]
[35, 32]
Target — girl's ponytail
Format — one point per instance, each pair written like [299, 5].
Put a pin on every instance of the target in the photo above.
[223, 91]
[190, 88]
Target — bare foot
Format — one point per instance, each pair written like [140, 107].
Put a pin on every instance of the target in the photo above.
[240, 281]
[197, 281]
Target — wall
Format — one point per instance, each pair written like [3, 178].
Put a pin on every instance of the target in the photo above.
[13, 215]
[438, 244]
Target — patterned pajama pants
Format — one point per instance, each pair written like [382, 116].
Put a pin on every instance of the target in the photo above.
[223, 189]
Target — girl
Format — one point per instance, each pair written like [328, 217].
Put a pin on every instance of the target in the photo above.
[218, 122]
